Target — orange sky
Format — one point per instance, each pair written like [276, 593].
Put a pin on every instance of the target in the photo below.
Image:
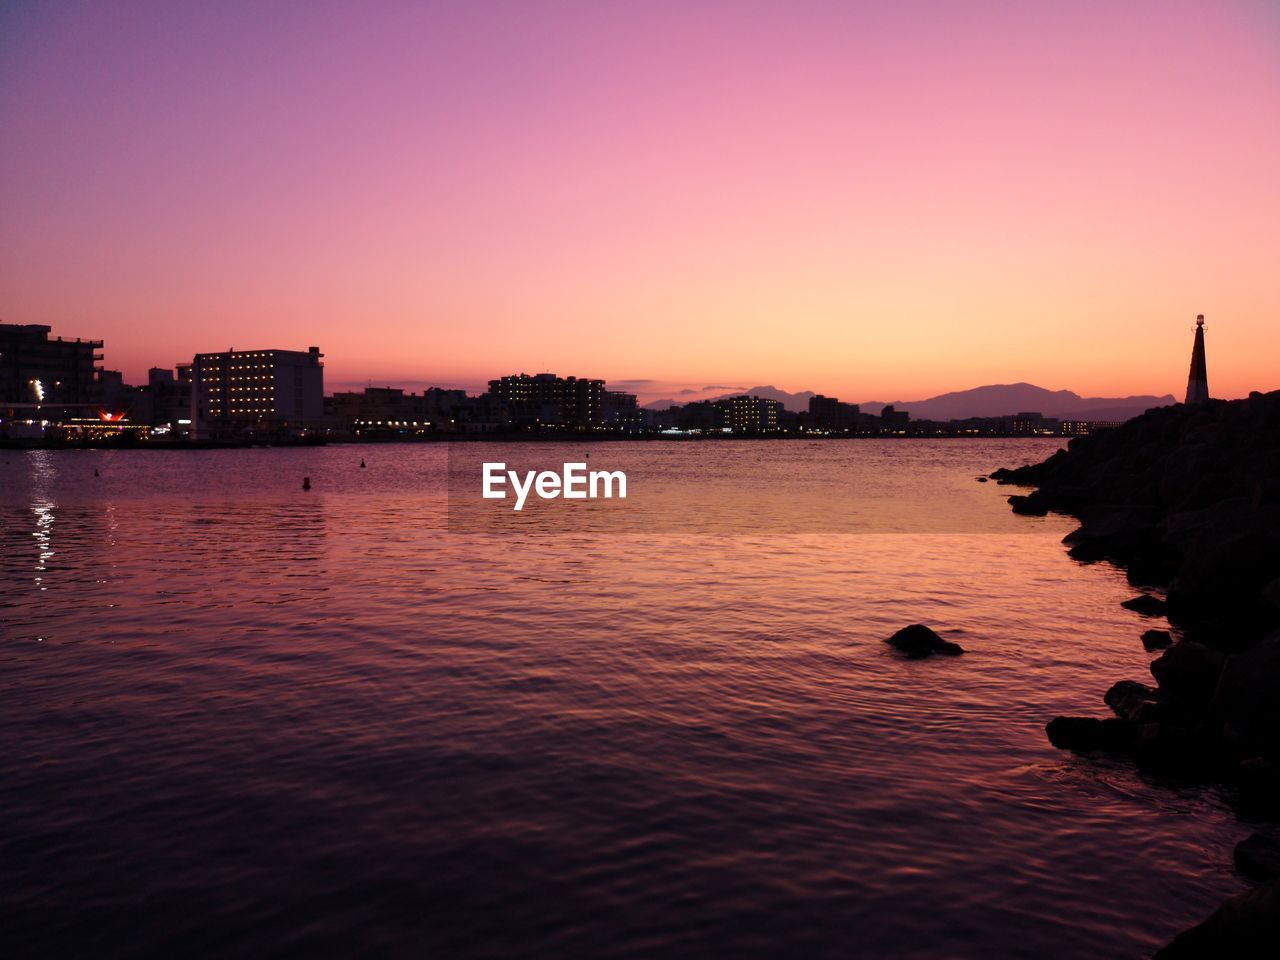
[873, 201]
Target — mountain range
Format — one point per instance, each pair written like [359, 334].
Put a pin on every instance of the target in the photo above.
[994, 400]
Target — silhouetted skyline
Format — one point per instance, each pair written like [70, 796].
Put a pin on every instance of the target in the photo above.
[875, 201]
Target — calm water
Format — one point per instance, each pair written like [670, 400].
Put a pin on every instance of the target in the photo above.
[237, 719]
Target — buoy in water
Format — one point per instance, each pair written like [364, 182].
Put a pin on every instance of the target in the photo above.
[95, 471]
[361, 464]
[306, 483]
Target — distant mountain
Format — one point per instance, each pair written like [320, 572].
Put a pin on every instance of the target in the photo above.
[1001, 399]
[791, 401]
[996, 400]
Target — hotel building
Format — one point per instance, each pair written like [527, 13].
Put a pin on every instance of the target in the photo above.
[266, 391]
[44, 380]
[749, 414]
[547, 399]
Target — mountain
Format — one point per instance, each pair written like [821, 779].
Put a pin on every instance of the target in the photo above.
[1002, 399]
[791, 401]
[996, 400]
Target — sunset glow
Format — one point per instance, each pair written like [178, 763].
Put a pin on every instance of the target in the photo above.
[877, 201]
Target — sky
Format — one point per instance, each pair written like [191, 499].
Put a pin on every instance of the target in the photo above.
[871, 200]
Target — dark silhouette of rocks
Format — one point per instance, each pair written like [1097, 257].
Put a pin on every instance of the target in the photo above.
[1146, 605]
[1258, 783]
[1188, 672]
[1088, 733]
[917, 642]
[1258, 856]
[1244, 928]
[1187, 500]
[1031, 505]
[1137, 702]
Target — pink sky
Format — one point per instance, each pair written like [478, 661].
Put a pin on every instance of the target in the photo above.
[870, 200]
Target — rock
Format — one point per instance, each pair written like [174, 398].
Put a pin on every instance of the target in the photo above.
[1188, 672]
[1271, 594]
[1136, 702]
[1245, 927]
[1178, 746]
[1156, 640]
[1230, 552]
[1258, 857]
[1111, 530]
[918, 641]
[1146, 605]
[1258, 781]
[1248, 692]
[982, 479]
[1030, 505]
[1088, 733]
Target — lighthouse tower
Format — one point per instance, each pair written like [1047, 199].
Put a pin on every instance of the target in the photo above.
[1198, 379]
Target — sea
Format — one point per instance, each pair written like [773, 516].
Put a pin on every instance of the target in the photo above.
[240, 718]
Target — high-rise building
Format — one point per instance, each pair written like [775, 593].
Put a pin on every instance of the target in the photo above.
[55, 378]
[828, 413]
[270, 391]
[894, 421]
[749, 414]
[1198, 379]
[548, 399]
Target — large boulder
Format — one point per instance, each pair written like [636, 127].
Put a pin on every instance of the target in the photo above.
[1120, 532]
[1156, 640]
[1247, 694]
[1146, 605]
[1136, 702]
[1188, 672]
[1258, 782]
[1089, 733]
[1230, 552]
[1258, 857]
[1271, 594]
[1245, 927]
[1031, 505]
[917, 642]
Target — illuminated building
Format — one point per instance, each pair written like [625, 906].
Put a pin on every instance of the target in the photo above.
[547, 399]
[47, 380]
[267, 391]
[748, 414]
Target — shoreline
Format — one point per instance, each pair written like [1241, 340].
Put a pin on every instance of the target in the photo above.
[485, 438]
[1186, 500]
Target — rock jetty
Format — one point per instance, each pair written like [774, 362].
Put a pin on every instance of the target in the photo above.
[1187, 500]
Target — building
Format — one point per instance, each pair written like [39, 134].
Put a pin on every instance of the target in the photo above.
[894, 421]
[547, 400]
[256, 391]
[164, 403]
[1082, 428]
[1198, 378]
[828, 413]
[47, 380]
[116, 395]
[1030, 424]
[749, 414]
[391, 410]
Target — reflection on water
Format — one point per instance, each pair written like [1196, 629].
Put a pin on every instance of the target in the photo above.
[242, 719]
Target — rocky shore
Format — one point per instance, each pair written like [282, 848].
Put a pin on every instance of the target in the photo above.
[1187, 500]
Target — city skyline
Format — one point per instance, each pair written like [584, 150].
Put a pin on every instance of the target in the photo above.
[871, 203]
